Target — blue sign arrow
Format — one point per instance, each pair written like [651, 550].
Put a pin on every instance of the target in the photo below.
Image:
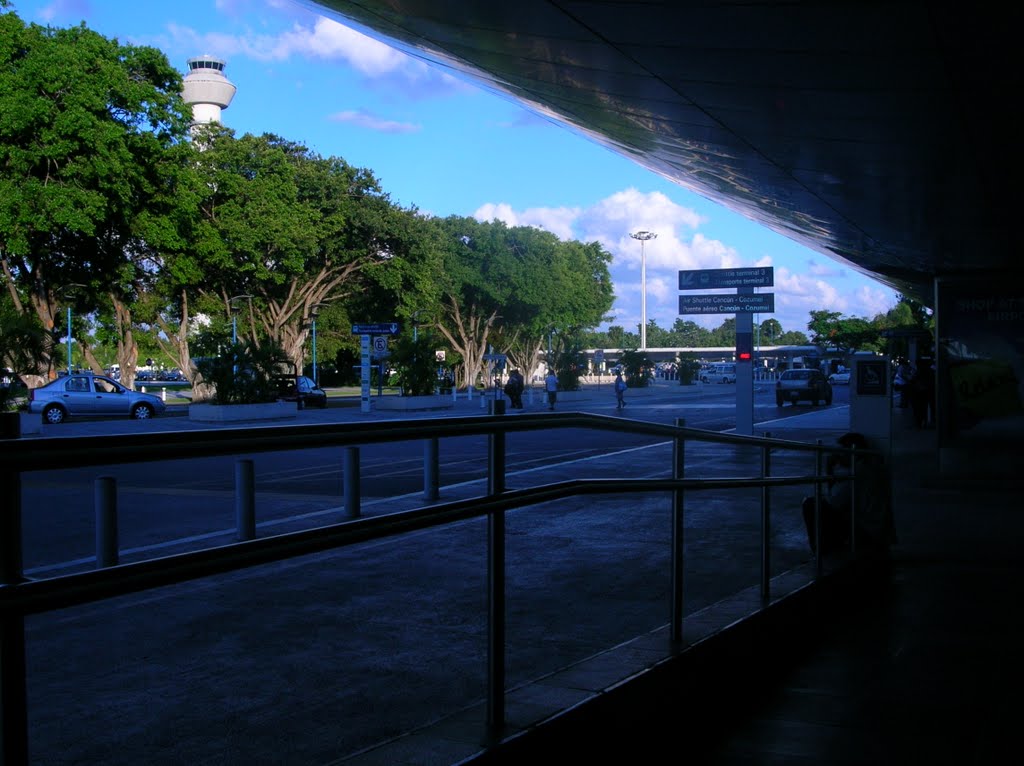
[378, 328]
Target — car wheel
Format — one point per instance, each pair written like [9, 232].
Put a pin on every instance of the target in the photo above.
[54, 414]
[142, 412]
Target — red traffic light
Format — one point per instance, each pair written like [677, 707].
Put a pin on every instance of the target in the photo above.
[745, 356]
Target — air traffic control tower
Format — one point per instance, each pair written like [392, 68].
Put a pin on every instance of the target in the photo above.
[206, 89]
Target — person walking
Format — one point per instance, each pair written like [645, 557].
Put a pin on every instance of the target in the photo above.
[514, 388]
[551, 386]
[620, 391]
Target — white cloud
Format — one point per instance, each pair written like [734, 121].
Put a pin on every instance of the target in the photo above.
[371, 121]
[559, 221]
[679, 245]
[322, 40]
[71, 10]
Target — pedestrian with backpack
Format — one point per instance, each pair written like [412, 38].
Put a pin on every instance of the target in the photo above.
[620, 392]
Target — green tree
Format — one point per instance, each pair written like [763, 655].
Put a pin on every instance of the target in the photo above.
[845, 334]
[658, 337]
[792, 338]
[512, 287]
[725, 333]
[295, 234]
[414, 360]
[637, 366]
[688, 334]
[84, 125]
[23, 342]
[687, 370]
[770, 331]
[246, 374]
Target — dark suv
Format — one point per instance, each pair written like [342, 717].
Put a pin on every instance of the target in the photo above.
[302, 390]
[810, 385]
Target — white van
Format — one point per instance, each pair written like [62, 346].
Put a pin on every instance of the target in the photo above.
[719, 373]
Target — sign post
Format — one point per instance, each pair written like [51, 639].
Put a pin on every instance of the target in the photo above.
[364, 374]
[380, 347]
[744, 304]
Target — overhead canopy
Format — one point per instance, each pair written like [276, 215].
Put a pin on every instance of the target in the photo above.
[876, 133]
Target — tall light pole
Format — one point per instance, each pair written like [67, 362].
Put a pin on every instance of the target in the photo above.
[234, 325]
[314, 310]
[64, 291]
[643, 236]
[416, 324]
[69, 340]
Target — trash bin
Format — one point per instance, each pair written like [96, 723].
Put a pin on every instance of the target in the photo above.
[498, 407]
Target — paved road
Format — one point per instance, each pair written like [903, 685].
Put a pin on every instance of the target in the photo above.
[315, 658]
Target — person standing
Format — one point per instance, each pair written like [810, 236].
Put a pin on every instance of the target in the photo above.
[551, 387]
[514, 388]
[620, 391]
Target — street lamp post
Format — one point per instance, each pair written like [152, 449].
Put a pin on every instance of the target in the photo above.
[314, 310]
[416, 324]
[643, 236]
[69, 339]
[64, 291]
[234, 326]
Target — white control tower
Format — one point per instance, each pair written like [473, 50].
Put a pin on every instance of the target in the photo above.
[207, 89]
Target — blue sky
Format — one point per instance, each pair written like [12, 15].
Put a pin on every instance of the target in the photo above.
[446, 146]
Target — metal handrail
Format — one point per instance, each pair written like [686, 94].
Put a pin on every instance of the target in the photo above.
[20, 597]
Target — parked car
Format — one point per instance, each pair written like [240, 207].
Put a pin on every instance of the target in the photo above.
[83, 394]
[719, 373]
[811, 385]
[300, 389]
[840, 378]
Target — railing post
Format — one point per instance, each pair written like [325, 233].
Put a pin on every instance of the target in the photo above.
[105, 500]
[853, 498]
[678, 472]
[351, 482]
[245, 500]
[431, 470]
[11, 562]
[495, 591]
[13, 683]
[766, 521]
[817, 511]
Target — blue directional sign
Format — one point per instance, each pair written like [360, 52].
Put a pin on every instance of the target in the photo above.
[712, 279]
[756, 303]
[378, 328]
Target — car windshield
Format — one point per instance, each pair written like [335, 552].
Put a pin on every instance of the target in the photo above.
[797, 375]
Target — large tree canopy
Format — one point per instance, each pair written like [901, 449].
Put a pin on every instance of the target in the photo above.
[84, 125]
[510, 287]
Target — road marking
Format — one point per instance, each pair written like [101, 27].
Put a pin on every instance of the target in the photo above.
[337, 510]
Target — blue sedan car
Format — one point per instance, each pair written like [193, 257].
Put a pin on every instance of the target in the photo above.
[87, 395]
